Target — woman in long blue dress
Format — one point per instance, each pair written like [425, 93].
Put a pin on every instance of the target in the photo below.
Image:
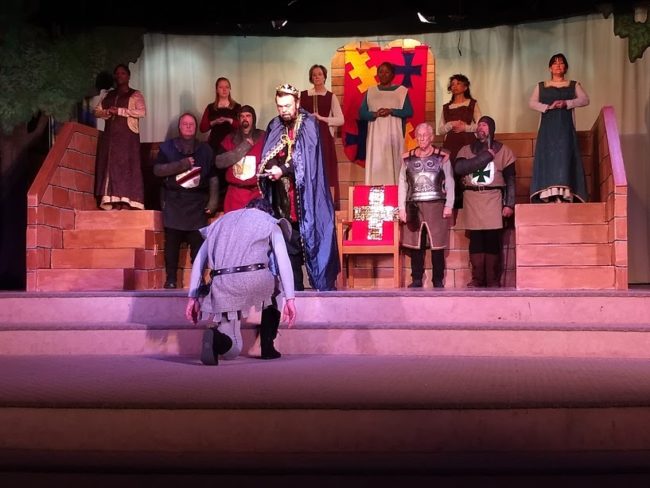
[558, 173]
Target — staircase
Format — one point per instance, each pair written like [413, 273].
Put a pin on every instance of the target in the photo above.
[564, 246]
[480, 381]
[480, 323]
[108, 251]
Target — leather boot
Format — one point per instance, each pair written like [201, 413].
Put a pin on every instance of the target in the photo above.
[268, 332]
[438, 264]
[492, 271]
[213, 344]
[417, 267]
[478, 270]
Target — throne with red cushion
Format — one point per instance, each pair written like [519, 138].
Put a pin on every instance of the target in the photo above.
[371, 228]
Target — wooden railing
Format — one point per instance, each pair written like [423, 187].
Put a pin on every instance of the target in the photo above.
[64, 183]
[612, 181]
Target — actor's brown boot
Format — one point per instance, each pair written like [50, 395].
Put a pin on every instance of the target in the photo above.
[478, 270]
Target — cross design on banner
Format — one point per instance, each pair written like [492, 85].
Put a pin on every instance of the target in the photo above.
[375, 213]
[408, 69]
[358, 139]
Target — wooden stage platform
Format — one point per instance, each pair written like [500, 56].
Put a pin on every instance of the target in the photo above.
[394, 385]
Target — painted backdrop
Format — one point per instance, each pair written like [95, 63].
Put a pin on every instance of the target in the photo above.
[361, 73]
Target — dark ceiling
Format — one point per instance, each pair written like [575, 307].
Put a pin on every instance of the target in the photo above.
[332, 18]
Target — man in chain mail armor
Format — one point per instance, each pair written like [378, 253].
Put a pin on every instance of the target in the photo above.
[189, 194]
[488, 171]
[245, 253]
[426, 200]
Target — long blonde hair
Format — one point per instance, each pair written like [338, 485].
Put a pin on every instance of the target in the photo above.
[232, 102]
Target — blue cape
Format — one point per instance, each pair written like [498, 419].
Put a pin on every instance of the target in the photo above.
[316, 216]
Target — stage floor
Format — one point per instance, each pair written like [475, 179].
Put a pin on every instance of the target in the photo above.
[323, 381]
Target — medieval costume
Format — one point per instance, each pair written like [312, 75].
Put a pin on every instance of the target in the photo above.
[118, 172]
[385, 141]
[218, 133]
[468, 112]
[328, 106]
[489, 186]
[426, 186]
[240, 161]
[302, 197]
[237, 251]
[189, 190]
[558, 171]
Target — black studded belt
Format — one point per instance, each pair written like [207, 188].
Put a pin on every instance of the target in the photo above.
[481, 188]
[237, 269]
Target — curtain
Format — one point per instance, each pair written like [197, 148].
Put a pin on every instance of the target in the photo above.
[177, 74]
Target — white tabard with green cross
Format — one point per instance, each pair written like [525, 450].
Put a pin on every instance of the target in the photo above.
[485, 176]
[375, 213]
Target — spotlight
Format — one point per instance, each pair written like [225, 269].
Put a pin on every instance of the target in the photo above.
[279, 24]
[427, 19]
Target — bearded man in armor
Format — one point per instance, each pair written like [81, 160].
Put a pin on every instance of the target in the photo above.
[426, 195]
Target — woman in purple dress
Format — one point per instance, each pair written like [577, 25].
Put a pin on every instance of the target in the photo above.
[118, 174]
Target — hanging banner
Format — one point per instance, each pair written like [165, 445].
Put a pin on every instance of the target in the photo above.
[361, 73]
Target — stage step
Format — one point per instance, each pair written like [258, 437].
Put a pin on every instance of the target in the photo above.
[561, 234]
[564, 255]
[150, 279]
[142, 259]
[85, 279]
[324, 414]
[481, 323]
[561, 277]
[93, 258]
[113, 238]
[554, 213]
[106, 250]
[128, 219]
[564, 246]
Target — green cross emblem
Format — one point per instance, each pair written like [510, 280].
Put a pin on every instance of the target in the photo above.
[481, 175]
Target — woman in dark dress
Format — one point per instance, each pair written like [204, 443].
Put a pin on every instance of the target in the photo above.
[558, 173]
[327, 109]
[220, 118]
[458, 122]
[118, 174]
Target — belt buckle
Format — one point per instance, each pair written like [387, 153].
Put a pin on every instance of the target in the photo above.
[480, 188]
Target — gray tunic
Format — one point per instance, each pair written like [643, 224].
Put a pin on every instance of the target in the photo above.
[239, 238]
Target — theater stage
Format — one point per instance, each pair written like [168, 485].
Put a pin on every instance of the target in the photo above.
[396, 383]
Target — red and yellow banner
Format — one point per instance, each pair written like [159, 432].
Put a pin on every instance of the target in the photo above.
[360, 74]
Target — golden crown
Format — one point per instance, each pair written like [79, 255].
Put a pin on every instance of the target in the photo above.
[288, 89]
